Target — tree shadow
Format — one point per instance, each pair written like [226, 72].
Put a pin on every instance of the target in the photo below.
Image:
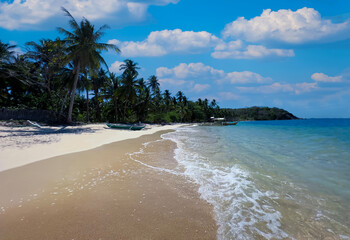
[47, 131]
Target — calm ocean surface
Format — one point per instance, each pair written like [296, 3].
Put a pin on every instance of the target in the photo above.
[272, 179]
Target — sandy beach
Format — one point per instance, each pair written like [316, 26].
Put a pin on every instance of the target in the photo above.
[23, 145]
[97, 184]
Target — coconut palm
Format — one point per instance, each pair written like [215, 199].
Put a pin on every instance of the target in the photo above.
[98, 81]
[167, 99]
[83, 49]
[111, 92]
[86, 85]
[213, 103]
[49, 57]
[129, 82]
[153, 84]
[184, 100]
[143, 100]
[180, 96]
[142, 84]
[5, 56]
[6, 51]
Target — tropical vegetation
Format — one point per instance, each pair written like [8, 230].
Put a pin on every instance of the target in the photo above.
[69, 77]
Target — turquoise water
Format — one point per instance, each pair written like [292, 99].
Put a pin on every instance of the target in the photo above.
[272, 179]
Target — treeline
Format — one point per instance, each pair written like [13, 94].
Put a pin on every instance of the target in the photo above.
[257, 113]
[69, 77]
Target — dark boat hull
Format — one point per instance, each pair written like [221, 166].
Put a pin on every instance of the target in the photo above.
[229, 123]
[125, 126]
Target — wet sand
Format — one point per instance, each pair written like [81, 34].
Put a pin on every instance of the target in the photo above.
[104, 193]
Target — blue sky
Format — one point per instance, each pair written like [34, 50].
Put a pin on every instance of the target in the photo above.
[289, 54]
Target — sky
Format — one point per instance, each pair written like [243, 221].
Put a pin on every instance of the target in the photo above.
[291, 54]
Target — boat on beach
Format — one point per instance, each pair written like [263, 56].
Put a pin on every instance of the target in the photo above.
[221, 122]
[125, 126]
[229, 123]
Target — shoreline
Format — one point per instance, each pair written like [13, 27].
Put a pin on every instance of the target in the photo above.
[103, 192]
[20, 146]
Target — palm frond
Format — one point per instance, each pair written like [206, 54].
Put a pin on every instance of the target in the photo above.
[65, 32]
[72, 22]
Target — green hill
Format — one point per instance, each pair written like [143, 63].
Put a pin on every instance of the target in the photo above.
[257, 113]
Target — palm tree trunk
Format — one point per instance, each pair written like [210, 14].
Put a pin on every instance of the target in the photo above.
[97, 105]
[115, 111]
[76, 77]
[87, 105]
[63, 102]
[125, 106]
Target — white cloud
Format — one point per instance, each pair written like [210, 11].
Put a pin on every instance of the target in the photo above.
[237, 50]
[159, 43]
[190, 71]
[29, 14]
[191, 74]
[228, 96]
[244, 77]
[303, 25]
[297, 88]
[200, 87]
[175, 82]
[321, 77]
[115, 67]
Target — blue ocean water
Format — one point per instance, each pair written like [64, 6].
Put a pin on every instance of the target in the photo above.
[272, 179]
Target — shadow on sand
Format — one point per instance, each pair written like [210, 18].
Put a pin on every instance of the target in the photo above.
[48, 131]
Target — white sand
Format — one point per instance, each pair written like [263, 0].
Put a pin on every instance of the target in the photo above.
[23, 145]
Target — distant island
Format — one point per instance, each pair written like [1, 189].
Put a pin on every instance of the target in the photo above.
[257, 113]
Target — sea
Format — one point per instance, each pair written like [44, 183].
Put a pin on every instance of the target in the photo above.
[271, 179]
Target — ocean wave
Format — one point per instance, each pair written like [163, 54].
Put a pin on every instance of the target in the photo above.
[242, 211]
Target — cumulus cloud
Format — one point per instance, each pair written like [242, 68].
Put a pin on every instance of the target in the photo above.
[200, 87]
[244, 77]
[297, 88]
[198, 76]
[115, 67]
[303, 25]
[321, 77]
[238, 50]
[29, 14]
[228, 96]
[190, 71]
[159, 43]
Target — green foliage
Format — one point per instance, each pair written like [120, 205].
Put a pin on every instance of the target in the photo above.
[70, 77]
[172, 117]
[257, 113]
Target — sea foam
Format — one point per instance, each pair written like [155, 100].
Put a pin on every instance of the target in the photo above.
[242, 211]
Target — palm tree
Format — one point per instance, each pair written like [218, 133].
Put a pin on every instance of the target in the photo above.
[213, 103]
[143, 100]
[167, 99]
[180, 96]
[174, 101]
[129, 83]
[184, 100]
[6, 51]
[98, 81]
[153, 84]
[83, 50]
[111, 92]
[86, 85]
[5, 58]
[49, 57]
